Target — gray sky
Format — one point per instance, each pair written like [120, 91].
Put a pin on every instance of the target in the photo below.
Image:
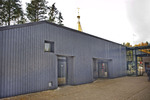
[139, 15]
[115, 20]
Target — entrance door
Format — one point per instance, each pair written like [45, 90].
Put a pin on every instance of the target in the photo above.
[103, 69]
[62, 71]
[95, 69]
[147, 64]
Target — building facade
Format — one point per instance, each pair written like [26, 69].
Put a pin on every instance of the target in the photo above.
[146, 62]
[41, 56]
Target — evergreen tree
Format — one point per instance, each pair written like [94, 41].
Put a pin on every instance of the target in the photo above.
[10, 10]
[19, 19]
[36, 10]
[60, 19]
[52, 13]
[2, 19]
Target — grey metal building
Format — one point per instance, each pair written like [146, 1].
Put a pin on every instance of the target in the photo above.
[41, 56]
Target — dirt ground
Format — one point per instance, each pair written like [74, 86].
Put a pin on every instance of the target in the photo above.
[124, 88]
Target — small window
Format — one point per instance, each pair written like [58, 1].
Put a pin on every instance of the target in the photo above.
[48, 46]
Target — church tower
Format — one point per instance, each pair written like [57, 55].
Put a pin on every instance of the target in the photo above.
[79, 25]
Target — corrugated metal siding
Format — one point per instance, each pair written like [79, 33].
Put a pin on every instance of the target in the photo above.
[1, 34]
[27, 68]
[70, 70]
[118, 55]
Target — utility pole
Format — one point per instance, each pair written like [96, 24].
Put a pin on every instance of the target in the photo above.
[133, 38]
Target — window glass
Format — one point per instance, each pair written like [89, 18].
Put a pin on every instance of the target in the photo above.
[49, 46]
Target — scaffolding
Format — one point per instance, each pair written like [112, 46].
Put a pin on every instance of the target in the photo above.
[134, 60]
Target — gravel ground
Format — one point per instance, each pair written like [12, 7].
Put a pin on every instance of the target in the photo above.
[124, 88]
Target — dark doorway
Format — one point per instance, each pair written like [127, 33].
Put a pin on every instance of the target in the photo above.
[62, 70]
[103, 69]
[147, 64]
[100, 68]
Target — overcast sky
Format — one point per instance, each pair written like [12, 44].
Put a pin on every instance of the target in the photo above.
[116, 20]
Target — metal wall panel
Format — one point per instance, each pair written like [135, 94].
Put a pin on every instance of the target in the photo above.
[1, 46]
[70, 64]
[27, 68]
